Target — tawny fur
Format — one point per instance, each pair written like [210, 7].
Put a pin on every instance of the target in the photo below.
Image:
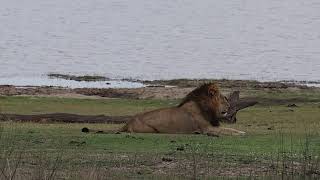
[199, 112]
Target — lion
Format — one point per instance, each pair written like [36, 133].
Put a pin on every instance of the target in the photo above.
[199, 112]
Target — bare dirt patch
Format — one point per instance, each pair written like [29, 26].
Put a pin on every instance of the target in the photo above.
[64, 118]
[159, 89]
[129, 93]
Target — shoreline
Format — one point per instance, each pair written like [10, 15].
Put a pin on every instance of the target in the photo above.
[158, 89]
[97, 81]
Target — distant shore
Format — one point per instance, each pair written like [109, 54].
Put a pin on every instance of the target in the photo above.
[157, 89]
[97, 81]
[184, 82]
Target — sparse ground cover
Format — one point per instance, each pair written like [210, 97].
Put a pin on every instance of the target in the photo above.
[114, 107]
[281, 142]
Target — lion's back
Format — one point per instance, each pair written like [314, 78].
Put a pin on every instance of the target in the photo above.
[167, 120]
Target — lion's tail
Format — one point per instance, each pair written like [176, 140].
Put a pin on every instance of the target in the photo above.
[124, 128]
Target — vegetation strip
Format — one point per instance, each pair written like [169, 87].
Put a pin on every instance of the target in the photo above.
[78, 78]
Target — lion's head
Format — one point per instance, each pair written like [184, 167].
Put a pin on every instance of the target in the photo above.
[212, 103]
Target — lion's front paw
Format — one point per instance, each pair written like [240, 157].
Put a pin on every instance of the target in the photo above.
[239, 133]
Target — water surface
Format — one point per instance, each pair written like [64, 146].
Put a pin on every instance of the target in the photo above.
[264, 40]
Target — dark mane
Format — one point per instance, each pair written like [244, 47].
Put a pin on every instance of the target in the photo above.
[202, 97]
[198, 93]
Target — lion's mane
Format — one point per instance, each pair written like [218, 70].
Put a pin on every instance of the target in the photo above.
[207, 97]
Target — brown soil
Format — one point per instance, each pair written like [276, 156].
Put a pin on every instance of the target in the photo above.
[129, 93]
[154, 89]
[225, 83]
[64, 118]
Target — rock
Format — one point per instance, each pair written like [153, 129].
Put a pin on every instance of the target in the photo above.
[180, 148]
[292, 105]
[85, 130]
[167, 159]
[270, 128]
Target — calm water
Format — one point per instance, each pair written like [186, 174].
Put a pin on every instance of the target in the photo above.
[159, 39]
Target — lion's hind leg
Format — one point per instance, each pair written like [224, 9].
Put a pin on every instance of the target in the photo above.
[138, 126]
[143, 128]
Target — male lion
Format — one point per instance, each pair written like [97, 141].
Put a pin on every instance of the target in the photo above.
[199, 112]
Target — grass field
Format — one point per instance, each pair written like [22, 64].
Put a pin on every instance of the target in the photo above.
[281, 142]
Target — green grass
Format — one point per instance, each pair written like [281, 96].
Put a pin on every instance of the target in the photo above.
[115, 107]
[140, 152]
[280, 141]
[277, 97]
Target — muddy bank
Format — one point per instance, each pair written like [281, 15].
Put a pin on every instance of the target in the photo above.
[64, 118]
[171, 89]
[78, 78]
[225, 83]
[129, 93]
[192, 82]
